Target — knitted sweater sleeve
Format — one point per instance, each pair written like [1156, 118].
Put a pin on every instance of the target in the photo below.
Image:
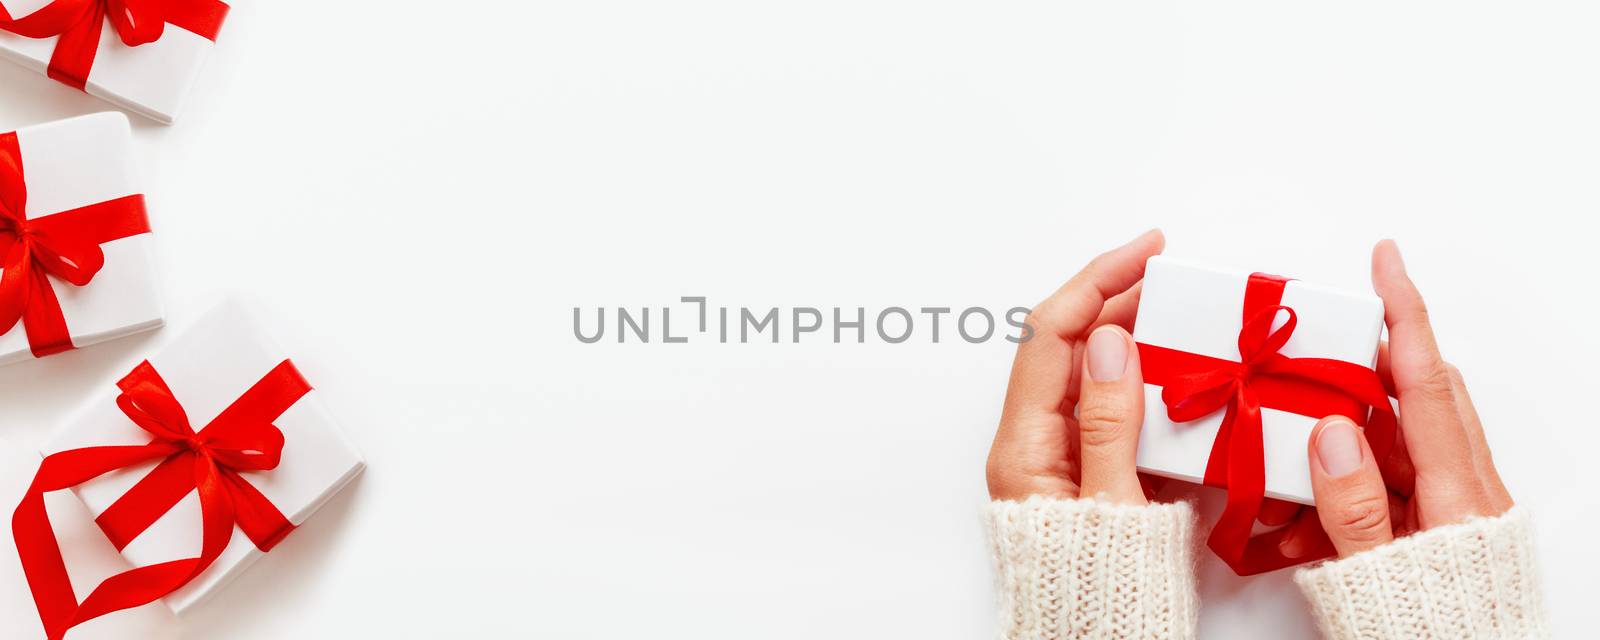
[1092, 569]
[1470, 580]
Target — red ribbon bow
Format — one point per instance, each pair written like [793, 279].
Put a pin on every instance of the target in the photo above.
[1194, 386]
[241, 438]
[65, 245]
[137, 22]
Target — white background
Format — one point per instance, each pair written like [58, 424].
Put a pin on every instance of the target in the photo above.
[418, 194]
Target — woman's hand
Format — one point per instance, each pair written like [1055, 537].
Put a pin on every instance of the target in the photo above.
[1440, 473]
[1070, 426]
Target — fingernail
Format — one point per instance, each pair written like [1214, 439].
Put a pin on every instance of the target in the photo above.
[1291, 546]
[1399, 259]
[1108, 355]
[1339, 448]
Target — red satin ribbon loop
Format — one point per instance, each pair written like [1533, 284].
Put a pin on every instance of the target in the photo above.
[136, 23]
[240, 439]
[63, 245]
[1195, 386]
[1195, 395]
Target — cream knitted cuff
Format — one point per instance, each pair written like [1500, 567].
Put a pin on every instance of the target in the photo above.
[1091, 569]
[1470, 580]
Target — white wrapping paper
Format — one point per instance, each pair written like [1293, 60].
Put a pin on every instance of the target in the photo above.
[1199, 309]
[207, 368]
[151, 80]
[73, 163]
[89, 556]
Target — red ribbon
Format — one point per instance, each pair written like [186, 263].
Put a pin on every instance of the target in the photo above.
[241, 438]
[137, 22]
[1194, 386]
[65, 245]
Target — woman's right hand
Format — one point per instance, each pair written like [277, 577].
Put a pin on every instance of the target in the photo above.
[1440, 473]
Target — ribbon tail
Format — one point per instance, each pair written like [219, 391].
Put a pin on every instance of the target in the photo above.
[1230, 539]
[257, 517]
[1217, 465]
[15, 281]
[1263, 553]
[144, 585]
[135, 588]
[1246, 483]
[75, 50]
[43, 565]
[43, 319]
[35, 538]
[217, 515]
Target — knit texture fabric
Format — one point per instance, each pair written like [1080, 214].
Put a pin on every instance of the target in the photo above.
[1470, 580]
[1092, 569]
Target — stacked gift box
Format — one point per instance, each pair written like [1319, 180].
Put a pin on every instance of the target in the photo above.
[178, 475]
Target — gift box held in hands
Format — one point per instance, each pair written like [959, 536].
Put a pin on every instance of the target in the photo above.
[1238, 369]
[75, 265]
[195, 465]
[141, 55]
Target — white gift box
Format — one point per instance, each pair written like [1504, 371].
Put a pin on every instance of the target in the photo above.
[74, 163]
[89, 556]
[1199, 309]
[151, 79]
[208, 367]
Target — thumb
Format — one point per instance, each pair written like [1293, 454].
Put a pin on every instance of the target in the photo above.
[1351, 499]
[1110, 412]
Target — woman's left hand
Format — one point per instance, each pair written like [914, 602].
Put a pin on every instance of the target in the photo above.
[1440, 472]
